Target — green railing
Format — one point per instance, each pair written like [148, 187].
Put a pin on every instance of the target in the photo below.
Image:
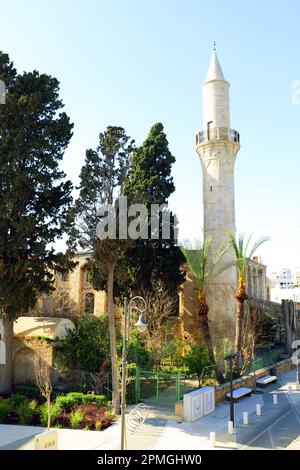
[266, 360]
[157, 387]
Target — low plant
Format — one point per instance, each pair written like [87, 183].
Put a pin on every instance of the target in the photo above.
[5, 408]
[96, 418]
[17, 399]
[76, 418]
[72, 399]
[55, 411]
[26, 411]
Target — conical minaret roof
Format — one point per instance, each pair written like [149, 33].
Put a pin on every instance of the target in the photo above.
[214, 70]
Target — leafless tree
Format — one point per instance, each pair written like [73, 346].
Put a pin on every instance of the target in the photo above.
[99, 379]
[43, 380]
[250, 335]
[57, 304]
[161, 307]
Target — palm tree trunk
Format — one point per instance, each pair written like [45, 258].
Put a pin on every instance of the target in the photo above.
[6, 370]
[241, 296]
[204, 325]
[238, 325]
[113, 342]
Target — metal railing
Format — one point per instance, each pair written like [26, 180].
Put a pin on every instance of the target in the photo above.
[218, 133]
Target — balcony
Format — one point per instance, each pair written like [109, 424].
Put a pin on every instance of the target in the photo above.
[218, 133]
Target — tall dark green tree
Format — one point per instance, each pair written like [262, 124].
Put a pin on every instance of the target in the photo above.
[150, 182]
[35, 197]
[101, 181]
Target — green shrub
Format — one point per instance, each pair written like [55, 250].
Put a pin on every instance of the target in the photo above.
[17, 399]
[99, 400]
[72, 399]
[55, 411]
[29, 391]
[196, 359]
[76, 417]
[136, 350]
[5, 408]
[26, 411]
[88, 344]
[66, 402]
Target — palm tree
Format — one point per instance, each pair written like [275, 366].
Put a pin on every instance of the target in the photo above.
[204, 269]
[243, 251]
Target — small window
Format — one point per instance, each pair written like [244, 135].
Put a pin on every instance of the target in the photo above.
[89, 303]
[210, 189]
[85, 275]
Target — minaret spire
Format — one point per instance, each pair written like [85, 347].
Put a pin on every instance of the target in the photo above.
[214, 70]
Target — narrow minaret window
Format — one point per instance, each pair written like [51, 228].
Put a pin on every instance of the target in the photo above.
[211, 189]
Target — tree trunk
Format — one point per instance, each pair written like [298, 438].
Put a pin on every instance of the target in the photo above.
[113, 342]
[238, 328]
[288, 313]
[241, 296]
[6, 370]
[203, 316]
[49, 411]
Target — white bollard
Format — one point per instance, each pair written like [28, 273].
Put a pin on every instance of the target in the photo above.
[212, 438]
[230, 427]
[275, 399]
[245, 417]
[290, 390]
[258, 409]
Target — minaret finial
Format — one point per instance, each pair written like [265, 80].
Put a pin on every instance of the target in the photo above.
[215, 46]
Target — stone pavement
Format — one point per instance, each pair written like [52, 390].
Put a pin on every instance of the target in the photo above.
[277, 428]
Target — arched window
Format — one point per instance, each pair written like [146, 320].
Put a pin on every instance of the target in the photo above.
[89, 303]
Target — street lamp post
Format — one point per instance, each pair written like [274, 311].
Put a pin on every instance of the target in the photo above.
[230, 358]
[141, 325]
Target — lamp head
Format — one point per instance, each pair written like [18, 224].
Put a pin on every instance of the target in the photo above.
[141, 324]
[230, 356]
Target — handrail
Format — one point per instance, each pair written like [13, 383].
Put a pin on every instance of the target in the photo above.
[218, 133]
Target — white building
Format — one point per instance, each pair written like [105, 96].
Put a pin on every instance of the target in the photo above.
[285, 284]
[282, 279]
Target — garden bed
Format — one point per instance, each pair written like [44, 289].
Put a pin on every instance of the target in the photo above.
[73, 410]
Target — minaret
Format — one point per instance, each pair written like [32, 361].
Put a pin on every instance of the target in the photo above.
[217, 146]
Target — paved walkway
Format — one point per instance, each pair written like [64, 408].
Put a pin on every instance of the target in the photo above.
[277, 428]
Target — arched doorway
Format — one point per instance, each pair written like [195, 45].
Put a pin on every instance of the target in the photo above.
[24, 366]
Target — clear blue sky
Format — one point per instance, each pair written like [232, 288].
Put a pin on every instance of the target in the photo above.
[135, 62]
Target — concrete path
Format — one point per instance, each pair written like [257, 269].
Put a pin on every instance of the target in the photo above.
[277, 428]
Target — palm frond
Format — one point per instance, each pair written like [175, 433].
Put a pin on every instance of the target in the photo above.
[243, 252]
[257, 244]
[248, 243]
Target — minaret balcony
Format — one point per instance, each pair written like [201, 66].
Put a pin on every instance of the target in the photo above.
[218, 133]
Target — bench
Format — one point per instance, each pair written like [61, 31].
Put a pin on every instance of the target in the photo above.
[266, 380]
[239, 393]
